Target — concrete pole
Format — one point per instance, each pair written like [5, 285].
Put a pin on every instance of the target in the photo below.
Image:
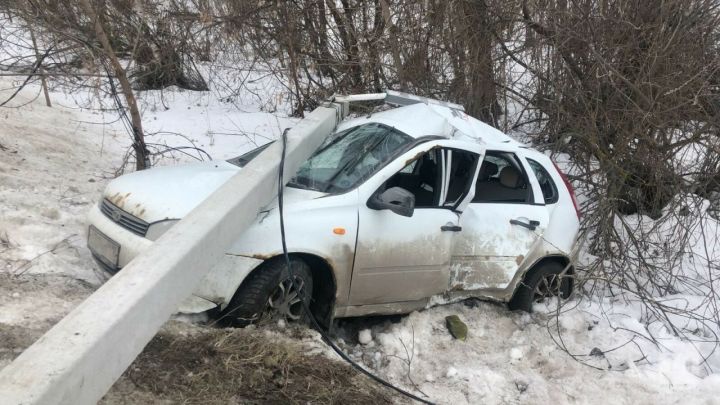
[79, 359]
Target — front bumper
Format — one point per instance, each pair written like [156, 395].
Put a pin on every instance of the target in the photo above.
[132, 245]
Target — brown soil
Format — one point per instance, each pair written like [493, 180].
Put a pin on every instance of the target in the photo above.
[237, 366]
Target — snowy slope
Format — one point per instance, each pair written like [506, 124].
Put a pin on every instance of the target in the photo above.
[53, 165]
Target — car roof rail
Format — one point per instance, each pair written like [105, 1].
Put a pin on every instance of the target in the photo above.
[397, 98]
[400, 98]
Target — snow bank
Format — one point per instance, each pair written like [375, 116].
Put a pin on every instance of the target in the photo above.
[517, 358]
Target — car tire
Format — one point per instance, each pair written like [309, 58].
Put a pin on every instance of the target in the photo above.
[267, 293]
[541, 282]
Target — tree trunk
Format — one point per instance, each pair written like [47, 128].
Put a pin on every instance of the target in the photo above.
[392, 39]
[43, 79]
[290, 34]
[481, 98]
[142, 158]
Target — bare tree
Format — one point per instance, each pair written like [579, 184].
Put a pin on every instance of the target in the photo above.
[141, 153]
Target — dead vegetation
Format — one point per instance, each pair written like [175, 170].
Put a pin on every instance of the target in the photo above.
[213, 366]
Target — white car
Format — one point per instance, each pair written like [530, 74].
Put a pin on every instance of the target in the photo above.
[396, 211]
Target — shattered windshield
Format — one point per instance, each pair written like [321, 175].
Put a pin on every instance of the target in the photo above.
[349, 157]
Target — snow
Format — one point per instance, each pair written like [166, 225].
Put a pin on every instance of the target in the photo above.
[365, 336]
[54, 164]
[597, 350]
[177, 118]
[512, 358]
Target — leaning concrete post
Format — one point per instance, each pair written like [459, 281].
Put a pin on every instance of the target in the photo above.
[79, 359]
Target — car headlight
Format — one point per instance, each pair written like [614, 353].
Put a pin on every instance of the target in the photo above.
[158, 228]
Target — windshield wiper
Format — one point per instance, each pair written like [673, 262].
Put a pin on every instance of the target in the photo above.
[295, 184]
[309, 184]
[352, 163]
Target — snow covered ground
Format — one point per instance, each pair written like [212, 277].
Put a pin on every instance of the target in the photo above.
[54, 163]
[513, 358]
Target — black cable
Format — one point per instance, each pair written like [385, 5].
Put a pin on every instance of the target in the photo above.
[314, 321]
[127, 123]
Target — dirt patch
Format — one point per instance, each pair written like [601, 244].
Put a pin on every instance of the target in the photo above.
[30, 304]
[14, 340]
[221, 366]
[38, 301]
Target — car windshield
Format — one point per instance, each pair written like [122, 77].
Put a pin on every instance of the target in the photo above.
[349, 157]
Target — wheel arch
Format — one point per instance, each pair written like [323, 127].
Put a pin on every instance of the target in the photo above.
[324, 283]
[555, 258]
[324, 287]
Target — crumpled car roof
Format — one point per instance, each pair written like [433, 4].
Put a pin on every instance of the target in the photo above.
[418, 120]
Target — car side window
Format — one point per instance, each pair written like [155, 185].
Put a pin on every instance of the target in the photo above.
[440, 178]
[420, 177]
[502, 179]
[547, 185]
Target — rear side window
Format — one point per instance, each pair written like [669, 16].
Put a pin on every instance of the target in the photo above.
[502, 179]
[547, 185]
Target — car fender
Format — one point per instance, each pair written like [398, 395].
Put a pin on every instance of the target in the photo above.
[325, 227]
[220, 284]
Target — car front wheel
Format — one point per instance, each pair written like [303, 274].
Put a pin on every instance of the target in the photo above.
[548, 280]
[270, 293]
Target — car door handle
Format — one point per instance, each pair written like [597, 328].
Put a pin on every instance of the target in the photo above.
[451, 228]
[532, 225]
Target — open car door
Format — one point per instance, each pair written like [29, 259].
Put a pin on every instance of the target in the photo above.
[407, 258]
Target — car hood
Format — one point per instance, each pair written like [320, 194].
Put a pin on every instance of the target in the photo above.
[172, 192]
[168, 192]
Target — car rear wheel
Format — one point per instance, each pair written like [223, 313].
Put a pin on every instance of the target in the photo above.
[269, 293]
[545, 281]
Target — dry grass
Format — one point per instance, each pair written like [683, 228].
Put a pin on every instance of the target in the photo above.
[215, 366]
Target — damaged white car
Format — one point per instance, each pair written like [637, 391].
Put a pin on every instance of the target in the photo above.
[396, 211]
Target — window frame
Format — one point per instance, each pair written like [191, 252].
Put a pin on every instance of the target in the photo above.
[470, 183]
[556, 190]
[443, 165]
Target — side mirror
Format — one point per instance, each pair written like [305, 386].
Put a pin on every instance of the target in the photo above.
[395, 199]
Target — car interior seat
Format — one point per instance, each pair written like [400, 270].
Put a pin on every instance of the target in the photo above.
[428, 175]
[508, 186]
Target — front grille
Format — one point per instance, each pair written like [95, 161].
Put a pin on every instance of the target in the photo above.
[122, 218]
